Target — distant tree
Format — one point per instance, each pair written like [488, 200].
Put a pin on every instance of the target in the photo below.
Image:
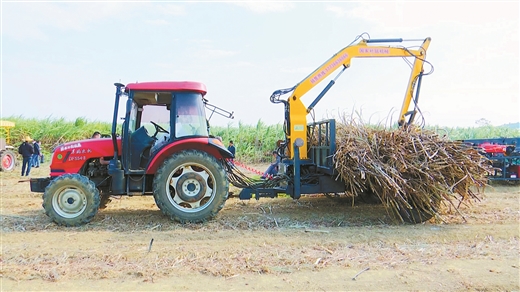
[483, 122]
[511, 125]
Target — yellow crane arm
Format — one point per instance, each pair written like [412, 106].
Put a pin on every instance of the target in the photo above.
[296, 114]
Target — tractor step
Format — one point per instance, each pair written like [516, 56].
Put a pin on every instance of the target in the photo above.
[247, 193]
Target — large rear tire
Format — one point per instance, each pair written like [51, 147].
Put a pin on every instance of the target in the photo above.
[191, 186]
[7, 160]
[71, 200]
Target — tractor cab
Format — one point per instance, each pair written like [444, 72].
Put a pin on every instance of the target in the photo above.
[156, 115]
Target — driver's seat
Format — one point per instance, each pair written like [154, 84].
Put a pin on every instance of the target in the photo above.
[140, 144]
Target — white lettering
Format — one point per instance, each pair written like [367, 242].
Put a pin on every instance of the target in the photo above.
[75, 145]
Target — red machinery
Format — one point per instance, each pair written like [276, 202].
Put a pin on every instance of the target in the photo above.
[184, 169]
[501, 151]
[493, 149]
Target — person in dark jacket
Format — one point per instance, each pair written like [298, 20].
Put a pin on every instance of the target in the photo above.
[26, 150]
[36, 155]
[231, 147]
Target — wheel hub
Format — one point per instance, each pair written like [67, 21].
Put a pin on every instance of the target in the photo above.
[6, 162]
[191, 187]
[72, 201]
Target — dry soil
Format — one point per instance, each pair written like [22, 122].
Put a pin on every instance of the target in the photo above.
[317, 243]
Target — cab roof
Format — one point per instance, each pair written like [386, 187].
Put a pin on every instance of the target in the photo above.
[162, 86]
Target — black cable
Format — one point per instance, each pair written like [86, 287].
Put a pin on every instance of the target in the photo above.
[241, 180]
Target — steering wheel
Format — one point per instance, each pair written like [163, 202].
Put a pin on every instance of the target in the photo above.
[158, 129]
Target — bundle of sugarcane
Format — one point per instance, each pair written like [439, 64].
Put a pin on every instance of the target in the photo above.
[411, 170]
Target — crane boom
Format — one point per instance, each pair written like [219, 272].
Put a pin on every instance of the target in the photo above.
[296, 112]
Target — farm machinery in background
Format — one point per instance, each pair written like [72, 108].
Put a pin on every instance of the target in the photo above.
[308, 168]
[7, 152]
[504, 155]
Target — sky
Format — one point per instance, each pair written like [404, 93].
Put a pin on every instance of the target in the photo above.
[60, 59]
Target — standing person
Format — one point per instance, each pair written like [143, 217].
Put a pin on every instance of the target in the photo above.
[26, 150]
[37, 154]
[231, 148]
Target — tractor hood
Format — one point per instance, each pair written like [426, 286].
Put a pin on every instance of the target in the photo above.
[70, 157]
[102, 146]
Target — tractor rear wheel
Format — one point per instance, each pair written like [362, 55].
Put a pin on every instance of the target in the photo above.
[7, 160]
[71, 200]
[191, 186]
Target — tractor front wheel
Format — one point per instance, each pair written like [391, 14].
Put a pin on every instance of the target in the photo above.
[190, 186]
[71, 200]
[7, 160]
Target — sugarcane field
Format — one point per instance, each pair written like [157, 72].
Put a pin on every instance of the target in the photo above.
[355, 241]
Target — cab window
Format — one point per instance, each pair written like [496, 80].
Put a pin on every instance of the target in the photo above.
[191, 117]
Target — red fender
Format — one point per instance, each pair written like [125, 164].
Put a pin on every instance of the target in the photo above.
[212, 146]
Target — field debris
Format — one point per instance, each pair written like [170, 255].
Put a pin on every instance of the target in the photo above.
[361, 272]
[150, 246]
[408, 168]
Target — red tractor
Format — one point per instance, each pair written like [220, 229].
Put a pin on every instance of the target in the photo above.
[175, 160]
[7, 154]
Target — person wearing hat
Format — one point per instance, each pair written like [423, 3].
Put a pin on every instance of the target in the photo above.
[26, 150]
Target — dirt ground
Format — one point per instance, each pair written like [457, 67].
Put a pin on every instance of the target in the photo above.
[317, 243]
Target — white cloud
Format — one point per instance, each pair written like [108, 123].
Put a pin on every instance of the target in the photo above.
[338, 11]
[265, 6]
[415, 15]
[244, 64]
[217, 53]
[31, 20]
[201, 41]
[173, 9]
[299, 70]
[158, 22]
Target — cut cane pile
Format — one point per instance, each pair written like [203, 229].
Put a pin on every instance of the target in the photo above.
[408, 167]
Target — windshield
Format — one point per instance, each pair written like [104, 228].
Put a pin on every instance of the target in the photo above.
[191, 117]
[157, 114]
